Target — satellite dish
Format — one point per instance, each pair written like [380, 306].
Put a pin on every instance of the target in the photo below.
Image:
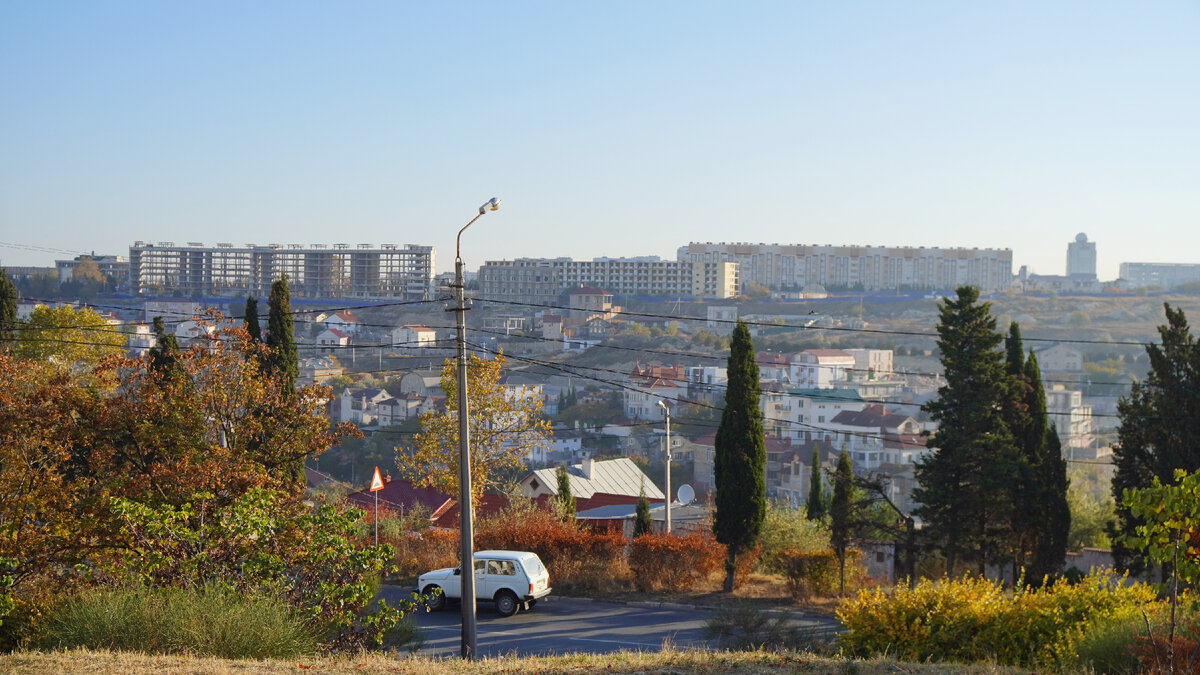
[686, 494]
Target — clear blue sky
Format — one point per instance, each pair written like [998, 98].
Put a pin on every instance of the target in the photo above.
[614, 128]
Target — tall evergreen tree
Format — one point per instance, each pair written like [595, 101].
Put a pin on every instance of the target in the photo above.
[250, 316]
[566, 500]
[816, 493]
[284, 358]
[8, 310]
[964, 483]
[1050, 547]
[740, 456]
[1158, 431]
[641, 516]
[841, 515]
[164, 355]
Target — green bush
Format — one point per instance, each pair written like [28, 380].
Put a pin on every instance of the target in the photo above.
[788, 530]
[267, 542]
[209, 621]
[973, 620]
[815, 573]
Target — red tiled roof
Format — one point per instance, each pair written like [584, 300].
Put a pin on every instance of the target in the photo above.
[347, 316]
[828, 352]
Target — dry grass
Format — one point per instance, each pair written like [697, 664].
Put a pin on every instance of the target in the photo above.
[668, 661]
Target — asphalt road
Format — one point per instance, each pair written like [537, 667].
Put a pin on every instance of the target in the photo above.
[564, 625]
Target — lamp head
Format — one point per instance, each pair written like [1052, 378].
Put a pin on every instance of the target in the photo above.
[662, 405]
[492, 204]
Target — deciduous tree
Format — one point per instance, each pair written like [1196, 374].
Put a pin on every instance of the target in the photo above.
[505, 425]
[740, 456]
[67, 337]
[217, 425]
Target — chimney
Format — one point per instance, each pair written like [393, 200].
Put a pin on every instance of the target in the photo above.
[589, 467]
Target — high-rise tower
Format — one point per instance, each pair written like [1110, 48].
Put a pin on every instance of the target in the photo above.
[1081, 256]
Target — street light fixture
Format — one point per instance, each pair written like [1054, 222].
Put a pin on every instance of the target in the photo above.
[667, 412]
[466, 534]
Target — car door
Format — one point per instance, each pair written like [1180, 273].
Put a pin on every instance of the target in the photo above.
[481, 579]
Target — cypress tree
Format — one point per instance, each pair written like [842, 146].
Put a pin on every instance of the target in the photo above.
[284, 358]
[641, 517]
[840, 515]
[740, 456]
[566, 500]
[8, 311]
[164, 355]
[250, 316]
[816, 493]
[965, 484]
[1050, 549]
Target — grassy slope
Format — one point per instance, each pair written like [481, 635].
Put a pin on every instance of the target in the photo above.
[671, 661]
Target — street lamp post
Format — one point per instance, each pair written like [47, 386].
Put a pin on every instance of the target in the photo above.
[667, 412]
[466, 535]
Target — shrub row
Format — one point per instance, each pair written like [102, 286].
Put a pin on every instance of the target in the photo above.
[669, 562]
[972, 620]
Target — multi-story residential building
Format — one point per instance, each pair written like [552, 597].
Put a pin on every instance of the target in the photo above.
[543, 280]
[874, 436]
[320, 271]
[647, 385]
[820, 368]
[804, 415]
[1072, 420]
[1059, 357]
[870, 268]
[1161, 275]
[871, 364]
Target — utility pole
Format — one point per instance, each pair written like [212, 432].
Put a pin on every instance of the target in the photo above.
[466, 534]
[667, 412]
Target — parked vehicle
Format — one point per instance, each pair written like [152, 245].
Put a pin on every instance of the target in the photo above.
[511, 579]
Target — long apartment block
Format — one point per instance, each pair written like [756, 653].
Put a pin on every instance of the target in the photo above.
[542, 280]
[364, 271]
[868, 268]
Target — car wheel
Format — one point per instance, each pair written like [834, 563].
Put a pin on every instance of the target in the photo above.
[531, 603]
[435, 598]
[506, 603]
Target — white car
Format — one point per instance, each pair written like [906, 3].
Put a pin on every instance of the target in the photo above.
[511, 579]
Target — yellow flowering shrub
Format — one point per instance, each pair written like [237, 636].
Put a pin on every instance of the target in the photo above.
[972, 620]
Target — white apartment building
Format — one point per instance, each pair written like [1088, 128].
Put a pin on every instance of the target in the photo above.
[820, 368]
[869, 268]
[542, 280]
[319, 271]
[803, 415]
[872, 364]
[1072, 420]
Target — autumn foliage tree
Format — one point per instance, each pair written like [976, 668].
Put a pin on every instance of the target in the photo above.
[211, 423]
[505, 425]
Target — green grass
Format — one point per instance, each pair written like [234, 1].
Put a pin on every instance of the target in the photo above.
[208, 621]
